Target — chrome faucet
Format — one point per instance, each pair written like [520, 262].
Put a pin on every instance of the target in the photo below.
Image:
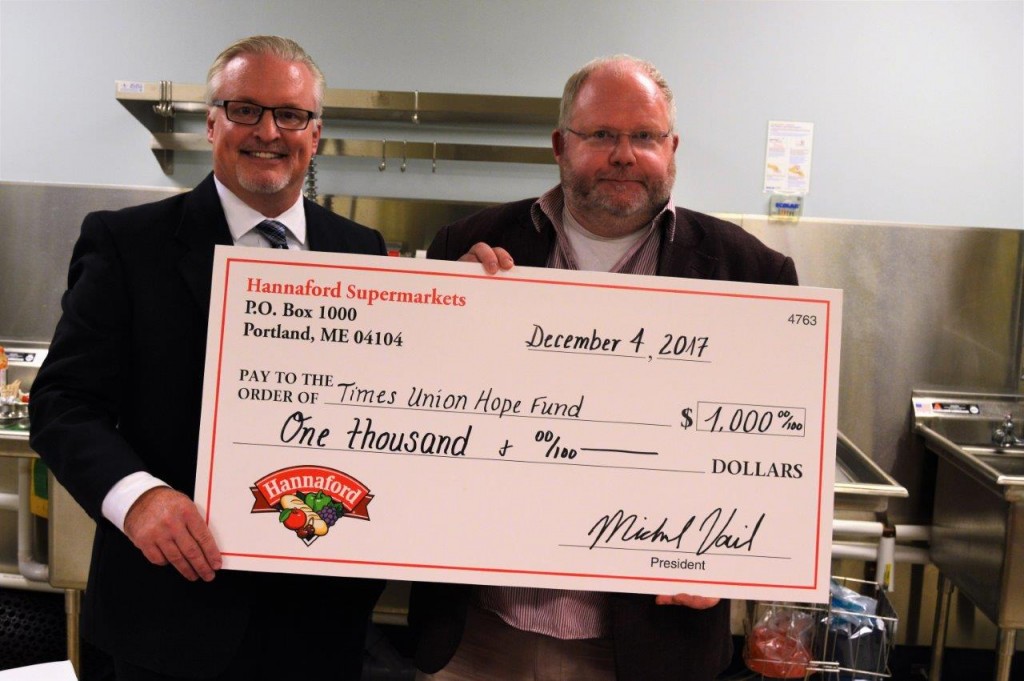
[1004, 436]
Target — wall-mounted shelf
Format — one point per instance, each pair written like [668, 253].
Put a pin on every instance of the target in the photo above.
[390, 151]
[157, 104]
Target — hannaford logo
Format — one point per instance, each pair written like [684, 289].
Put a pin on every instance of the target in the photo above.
[309, 500]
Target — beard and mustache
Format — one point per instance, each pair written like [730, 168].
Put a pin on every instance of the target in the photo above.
[270, 185]
[587, 194]
[261, 182]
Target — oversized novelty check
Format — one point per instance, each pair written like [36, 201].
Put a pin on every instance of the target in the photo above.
[421, 420]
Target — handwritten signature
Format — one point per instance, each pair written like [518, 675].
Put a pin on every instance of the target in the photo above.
[713, 532]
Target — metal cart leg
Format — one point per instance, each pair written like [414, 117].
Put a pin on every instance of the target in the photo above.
[941, 623]
[1004, 653]
[72, 605]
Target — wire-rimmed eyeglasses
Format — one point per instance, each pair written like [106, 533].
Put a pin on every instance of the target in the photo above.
[607, 139]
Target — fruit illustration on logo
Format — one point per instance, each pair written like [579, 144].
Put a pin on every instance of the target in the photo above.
[325, 507]
[293, 518]
[317, 501]
[309, 500]
[314, 525]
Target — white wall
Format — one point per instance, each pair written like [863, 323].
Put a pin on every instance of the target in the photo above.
[917, 106]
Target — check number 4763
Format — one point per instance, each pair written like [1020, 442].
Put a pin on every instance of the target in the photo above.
[803, 319]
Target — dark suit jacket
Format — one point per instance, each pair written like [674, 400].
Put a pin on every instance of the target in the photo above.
[120, 392]
[651, 643]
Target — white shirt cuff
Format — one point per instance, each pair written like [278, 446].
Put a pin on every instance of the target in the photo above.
[125, 493]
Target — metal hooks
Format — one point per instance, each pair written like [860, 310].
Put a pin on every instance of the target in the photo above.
[433, 159]
[404, 156]
[165, 110]
[165, 107]
[415, 106]
[310, 191]
[383, 156]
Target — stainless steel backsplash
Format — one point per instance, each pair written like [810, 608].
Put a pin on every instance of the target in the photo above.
[923, 305]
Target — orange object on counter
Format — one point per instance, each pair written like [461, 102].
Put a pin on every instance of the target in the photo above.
[778, 647]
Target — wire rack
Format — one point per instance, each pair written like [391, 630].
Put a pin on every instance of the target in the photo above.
[828, 641]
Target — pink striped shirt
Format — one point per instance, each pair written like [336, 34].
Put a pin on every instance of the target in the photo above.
[565, 613]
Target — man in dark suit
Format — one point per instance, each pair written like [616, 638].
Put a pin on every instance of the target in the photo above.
[116, 406]
[615, 146]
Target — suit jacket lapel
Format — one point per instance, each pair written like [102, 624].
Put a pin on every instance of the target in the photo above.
[202, 226]
[319, 235]
[527, 246]
[686, 255]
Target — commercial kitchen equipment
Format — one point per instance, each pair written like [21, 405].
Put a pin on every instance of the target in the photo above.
[69, 531]
[861, 486]
[978, 521]
[850, 637]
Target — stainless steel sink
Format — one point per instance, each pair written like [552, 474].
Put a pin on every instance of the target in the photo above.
[978, 513]
[861, 485]
[960, 429]
[970, 429]
[1006, 465]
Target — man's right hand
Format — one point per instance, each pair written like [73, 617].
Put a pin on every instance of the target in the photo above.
[491, 258]
[166, 526]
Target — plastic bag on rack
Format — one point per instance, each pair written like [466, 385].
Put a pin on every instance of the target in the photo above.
[779, 643]
[857, 638]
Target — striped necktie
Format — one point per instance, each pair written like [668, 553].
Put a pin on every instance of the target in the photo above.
[274, 232]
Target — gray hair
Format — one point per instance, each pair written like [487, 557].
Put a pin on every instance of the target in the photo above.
[621, 62]
[284, 48]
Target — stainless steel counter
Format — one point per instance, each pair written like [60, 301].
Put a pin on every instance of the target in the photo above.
[861, 485]
[69, 536]
[70, 530]
[978, 520]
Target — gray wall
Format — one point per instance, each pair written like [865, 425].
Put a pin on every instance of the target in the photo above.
[917, 106]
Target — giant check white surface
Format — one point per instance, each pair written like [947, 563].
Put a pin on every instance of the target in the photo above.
[539, 427]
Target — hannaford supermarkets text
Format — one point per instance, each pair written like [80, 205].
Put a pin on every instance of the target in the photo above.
[353, 292]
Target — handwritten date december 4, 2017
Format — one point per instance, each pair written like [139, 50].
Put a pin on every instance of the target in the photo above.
[597, 342]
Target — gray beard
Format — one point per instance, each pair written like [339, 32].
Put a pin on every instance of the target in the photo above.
[267, 187]
[580, 194]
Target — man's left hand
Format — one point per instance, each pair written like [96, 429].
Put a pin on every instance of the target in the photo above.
[695, 602]
[493, 259]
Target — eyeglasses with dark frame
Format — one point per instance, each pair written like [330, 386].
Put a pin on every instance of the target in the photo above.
[247, 113]
[607, 139]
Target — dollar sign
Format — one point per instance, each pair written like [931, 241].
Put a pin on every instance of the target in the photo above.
[687, 421]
